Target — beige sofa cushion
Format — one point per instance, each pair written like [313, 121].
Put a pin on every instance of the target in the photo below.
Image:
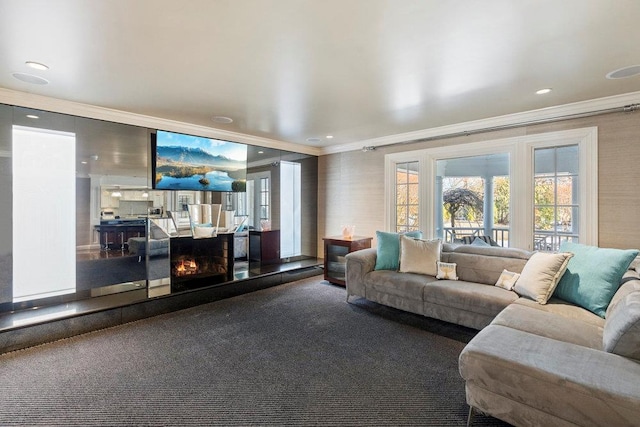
[405, 285]
[468, 296]
[419, 256]
[484, 264]
[550, 325]
[541, 275]
[565, 309]
[622, 327]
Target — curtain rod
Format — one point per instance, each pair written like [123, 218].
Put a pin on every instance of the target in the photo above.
[624, 109]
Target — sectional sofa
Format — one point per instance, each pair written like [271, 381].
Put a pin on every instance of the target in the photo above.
[532, 363]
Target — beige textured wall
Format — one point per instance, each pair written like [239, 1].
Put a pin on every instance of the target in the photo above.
[351, 184]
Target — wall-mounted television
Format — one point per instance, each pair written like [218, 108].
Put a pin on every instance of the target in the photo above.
[187, 162]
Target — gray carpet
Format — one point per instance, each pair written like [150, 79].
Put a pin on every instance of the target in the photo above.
[295, 354]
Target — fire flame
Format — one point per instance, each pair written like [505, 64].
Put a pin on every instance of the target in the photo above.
[185, 267]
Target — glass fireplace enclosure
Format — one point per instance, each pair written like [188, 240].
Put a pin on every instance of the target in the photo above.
[76, 199]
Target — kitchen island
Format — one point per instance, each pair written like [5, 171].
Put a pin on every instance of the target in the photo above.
[114, 233]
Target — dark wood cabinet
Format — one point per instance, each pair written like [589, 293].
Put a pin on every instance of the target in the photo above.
[264, 246]
[335, 250]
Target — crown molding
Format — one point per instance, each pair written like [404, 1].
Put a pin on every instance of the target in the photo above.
[549, 113]
[29, 100]
[39, 102]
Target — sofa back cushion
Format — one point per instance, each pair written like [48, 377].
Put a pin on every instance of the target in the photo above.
[484, 264]
[388, 249]
[419, 256]
[541, 275]
[622, 326]
[593, 275]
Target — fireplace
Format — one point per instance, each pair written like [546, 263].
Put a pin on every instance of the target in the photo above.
[187, 266]
[201, 262]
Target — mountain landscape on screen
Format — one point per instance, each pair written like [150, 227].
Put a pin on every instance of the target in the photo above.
[185, 162]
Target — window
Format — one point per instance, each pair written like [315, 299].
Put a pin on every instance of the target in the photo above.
[240, 203]
[556, 208]
[407, 197]
[44, 178]
[507, 176]
[290, 209]
[472, 198]
[264, 198]
[258, 198]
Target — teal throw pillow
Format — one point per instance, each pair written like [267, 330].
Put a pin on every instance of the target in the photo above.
[388, 249]
[593, 275]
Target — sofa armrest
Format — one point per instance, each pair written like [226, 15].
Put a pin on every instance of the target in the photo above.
[359, 263]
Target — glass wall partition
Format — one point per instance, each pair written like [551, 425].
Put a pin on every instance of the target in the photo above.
[109, 213]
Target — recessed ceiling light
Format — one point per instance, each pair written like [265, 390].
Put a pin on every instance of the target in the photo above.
[30, 78]
[329, 137]
[222, 119]
[32, 116]
[260, 152]
[543, 91]
[37, 65]
[313, 140]
[84, 162]
[625, 72]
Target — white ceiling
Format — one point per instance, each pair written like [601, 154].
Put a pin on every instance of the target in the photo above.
[290, 70]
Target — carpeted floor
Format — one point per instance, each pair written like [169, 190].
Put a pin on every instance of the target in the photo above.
[295, 354]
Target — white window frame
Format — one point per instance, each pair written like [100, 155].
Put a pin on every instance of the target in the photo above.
[521, 154]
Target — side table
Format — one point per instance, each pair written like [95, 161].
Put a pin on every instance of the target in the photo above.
[335, 250]
[264, 246]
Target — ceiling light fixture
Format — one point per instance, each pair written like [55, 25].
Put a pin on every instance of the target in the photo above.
[260, 152]
[313, 140]
[623, 73]
[222, 119]
[30, 78]
[543, 91]
[37, 65]
[32, 116]
[84, 162]
[329, 137]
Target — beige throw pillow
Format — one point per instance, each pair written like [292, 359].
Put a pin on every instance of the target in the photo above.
[447, 270]
[419, 256]
[541, 275]
[507, 279]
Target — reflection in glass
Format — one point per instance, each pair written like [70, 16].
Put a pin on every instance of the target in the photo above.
[115, 250]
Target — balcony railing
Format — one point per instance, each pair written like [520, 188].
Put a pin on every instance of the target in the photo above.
[547, 241]
[454, 234]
